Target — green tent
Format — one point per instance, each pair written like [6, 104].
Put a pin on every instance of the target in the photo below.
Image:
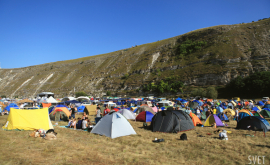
[265, 113]
[203, 116]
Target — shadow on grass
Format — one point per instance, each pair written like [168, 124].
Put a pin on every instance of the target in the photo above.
[263, 146]
[146, 127]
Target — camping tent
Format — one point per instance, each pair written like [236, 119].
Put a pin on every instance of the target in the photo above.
[260, 103]
[171, 121]
[51, 100]
[90, 109]
[250, 122]
[229, 112]
[113, 125]
[28, 119]
[81, 108]
[11, 105]
[145, 116]
[223, 117]
[203, 115]
[195, 119]
[57, 106]
[243, 113]
[193, 105]
[213, 119]
[144, 108]
[256, 113]
[127, 113]
[59, 113]
[265, 113]
[44, 105]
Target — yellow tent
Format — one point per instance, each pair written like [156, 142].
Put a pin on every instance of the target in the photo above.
[28, 119]
[229, 112]
[91, 109]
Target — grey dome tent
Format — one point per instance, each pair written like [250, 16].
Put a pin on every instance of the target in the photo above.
[127, 113]
[113, 125]
[171, 121]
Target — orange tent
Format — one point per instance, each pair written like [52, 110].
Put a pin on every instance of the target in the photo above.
[64, 109]
[195, 119]
[3, 105]
[44, 105]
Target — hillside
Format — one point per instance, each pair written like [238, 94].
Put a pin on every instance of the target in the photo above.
[209, 56]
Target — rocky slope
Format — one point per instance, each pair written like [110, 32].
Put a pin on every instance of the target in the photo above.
[209, 56]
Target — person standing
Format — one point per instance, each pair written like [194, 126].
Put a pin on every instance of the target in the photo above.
[73, 111]
[106, 111]
[98, 112]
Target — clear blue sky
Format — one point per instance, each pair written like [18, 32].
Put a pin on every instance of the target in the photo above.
[34, 32]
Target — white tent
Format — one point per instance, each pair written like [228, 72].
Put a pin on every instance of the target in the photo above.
[127, 113]
[51, 100]
[113, 125]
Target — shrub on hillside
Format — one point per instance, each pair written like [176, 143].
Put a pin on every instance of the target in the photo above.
[78, 94]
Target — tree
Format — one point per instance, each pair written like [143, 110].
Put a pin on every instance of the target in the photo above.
[78, 94]
[211, 92]
[108, 93]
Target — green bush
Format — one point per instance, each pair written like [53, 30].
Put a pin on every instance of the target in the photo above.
[78, 94]
[255, 85]
[108, 93]
[209, 92]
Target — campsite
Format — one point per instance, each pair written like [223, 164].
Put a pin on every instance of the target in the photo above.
[77, 147]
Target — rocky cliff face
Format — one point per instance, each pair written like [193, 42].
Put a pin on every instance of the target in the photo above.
[228, 51]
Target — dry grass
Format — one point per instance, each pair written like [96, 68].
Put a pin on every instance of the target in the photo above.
[80, 147]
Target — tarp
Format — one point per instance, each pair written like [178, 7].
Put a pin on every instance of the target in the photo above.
[25, 101]
[28, 119]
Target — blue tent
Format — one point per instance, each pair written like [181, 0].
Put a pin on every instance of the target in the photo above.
[260, 103]
[266, 109]
[267, 106]
[219, 109]
[255, 109]
[242, 115]
[11, 105]
[179, 99]
[80, 108]
[222, 117]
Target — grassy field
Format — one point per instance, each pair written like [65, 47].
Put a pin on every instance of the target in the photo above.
[80, 147]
